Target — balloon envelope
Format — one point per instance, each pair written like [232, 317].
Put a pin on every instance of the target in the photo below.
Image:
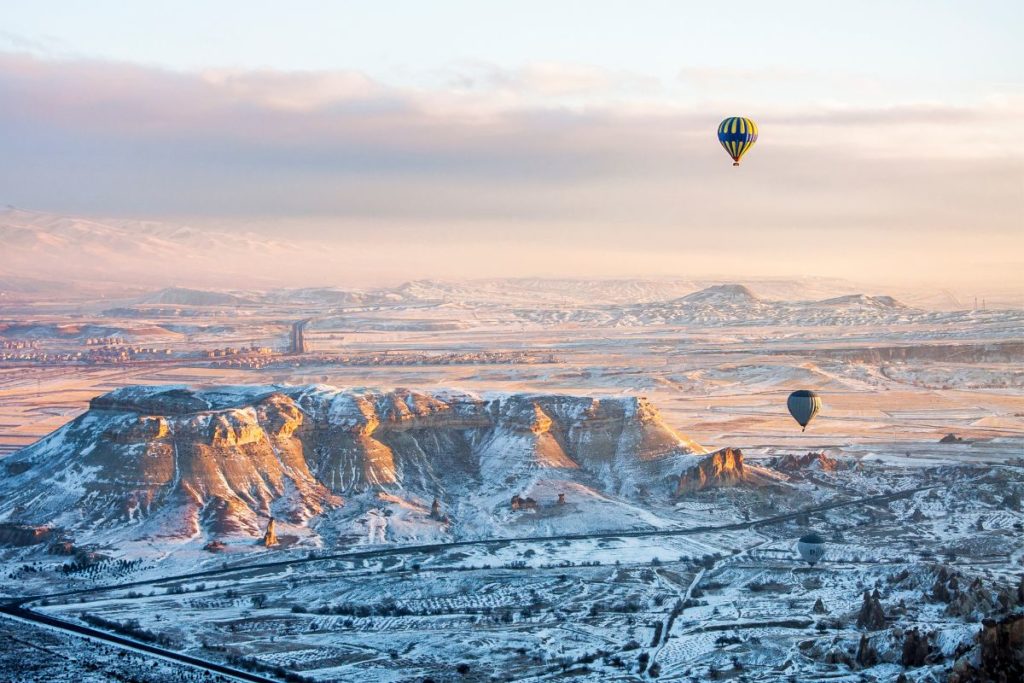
[811, 548]
[803, 406]
[737, 135]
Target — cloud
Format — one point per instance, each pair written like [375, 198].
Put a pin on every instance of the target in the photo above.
[507, 156]
[39, 46]
[294, 90]
[540, 81]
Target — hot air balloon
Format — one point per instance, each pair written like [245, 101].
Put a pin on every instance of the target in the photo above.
[811, 547]
[803, 406]
[737, 134]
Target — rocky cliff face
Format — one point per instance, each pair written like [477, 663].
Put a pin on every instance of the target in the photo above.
[721, 468]
[998, 654]
[180, 462]
[1002, 648]
[174, 454]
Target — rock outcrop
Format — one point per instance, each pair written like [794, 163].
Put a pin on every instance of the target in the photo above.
[866, 655]
[177, 462]
[946, 585]
[973, 601]
[721, 468]
[871, 615]
[722, 294]
[968, 602]
[1002, 648]
[792, 464]
[520, 503]
[915, 648]
[24, 534]
[998, 654]
[270, 536]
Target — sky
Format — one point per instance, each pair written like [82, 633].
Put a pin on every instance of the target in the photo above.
[451, 139]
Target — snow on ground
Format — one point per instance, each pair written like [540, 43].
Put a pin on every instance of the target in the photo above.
[894, 380]
[740, 598]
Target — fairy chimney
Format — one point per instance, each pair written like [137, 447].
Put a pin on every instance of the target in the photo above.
[270, 537]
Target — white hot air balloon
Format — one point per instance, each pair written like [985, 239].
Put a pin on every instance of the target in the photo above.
[811, 548]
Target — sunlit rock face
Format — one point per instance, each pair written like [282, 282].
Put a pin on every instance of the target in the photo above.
[721, 468]
[813, 462]
[178, 462]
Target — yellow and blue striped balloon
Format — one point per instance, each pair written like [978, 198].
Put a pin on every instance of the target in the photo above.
[737, 134]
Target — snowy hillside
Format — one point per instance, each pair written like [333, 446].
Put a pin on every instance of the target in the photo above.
[736, 304]
[173, 462]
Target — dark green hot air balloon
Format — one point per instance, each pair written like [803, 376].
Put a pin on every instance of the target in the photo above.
[803, 406]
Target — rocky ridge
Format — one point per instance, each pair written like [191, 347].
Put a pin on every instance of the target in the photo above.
[177, 462]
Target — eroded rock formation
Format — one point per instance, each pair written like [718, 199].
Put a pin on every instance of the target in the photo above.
[871, 615]
[792, 464]
[270, 536]
[915, 648]
[866, 654]
[998, 655]
[177, 462]
[721, 468]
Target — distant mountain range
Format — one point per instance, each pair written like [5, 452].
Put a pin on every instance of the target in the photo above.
[737, 305]
[554, 292]
[546, 302]
[68, 256]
